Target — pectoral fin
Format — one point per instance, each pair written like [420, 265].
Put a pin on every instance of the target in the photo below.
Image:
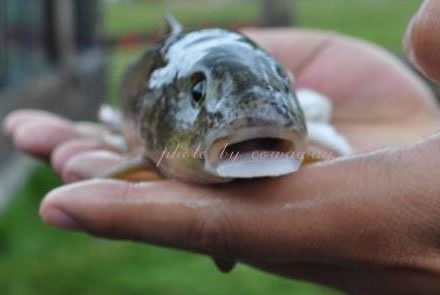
[329, 138]
[135, 169]
[173, 27]
[111, 117]
[316, 106]
[322, 135]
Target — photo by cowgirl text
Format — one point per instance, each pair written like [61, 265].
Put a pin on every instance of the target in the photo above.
[229, 155]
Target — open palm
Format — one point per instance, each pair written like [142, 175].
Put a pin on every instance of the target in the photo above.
[288, 225]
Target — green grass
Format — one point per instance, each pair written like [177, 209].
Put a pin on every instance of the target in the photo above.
[149, 16]
[380, 21]
[36, 259]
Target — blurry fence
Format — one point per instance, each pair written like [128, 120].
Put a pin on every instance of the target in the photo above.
[33, 35]
[49, 59]
[22, 34]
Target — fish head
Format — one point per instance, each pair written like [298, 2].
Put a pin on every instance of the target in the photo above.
[232, 114]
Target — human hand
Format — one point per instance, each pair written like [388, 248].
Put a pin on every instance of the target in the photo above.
[365, 224]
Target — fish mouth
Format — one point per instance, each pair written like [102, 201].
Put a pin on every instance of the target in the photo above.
[256, 152]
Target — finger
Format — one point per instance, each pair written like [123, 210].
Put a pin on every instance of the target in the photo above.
[39, 137]
[194, 218]
[89, 165]
[69, 149]
[14, 119]
[276, 219]
[423, 39]
[145, 211]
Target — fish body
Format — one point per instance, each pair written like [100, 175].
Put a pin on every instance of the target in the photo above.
[210, 106]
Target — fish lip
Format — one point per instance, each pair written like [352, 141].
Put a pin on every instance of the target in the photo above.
[245, 133]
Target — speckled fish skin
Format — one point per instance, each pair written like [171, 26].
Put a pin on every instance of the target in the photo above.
[246, 89]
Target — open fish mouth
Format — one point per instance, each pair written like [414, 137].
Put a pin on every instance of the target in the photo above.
[256, 152]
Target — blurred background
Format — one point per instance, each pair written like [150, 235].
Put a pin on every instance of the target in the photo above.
[68, 56]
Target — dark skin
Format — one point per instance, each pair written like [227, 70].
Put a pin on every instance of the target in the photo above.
[366, 224]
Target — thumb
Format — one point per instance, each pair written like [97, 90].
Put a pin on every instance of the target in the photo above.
[422, 40]
[325, 211]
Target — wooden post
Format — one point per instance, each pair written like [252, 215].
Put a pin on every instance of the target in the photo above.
[278, 13]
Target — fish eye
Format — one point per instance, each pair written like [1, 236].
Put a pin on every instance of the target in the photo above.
[198, 90]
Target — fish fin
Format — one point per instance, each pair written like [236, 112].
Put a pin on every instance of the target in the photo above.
[135, 169]
[101, 132]
[111, 117]
[327, 136]
[138, 72]
[316, 106]
[173, 27]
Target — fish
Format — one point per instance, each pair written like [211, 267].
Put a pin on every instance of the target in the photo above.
[212, 106]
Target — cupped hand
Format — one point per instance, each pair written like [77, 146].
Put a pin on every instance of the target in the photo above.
[367, 224]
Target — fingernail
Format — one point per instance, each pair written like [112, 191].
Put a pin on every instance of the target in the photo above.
[60, 219]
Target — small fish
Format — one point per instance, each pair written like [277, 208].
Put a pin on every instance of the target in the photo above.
[210, 106]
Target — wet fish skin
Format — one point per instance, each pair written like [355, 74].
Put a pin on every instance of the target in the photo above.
[246, 88]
